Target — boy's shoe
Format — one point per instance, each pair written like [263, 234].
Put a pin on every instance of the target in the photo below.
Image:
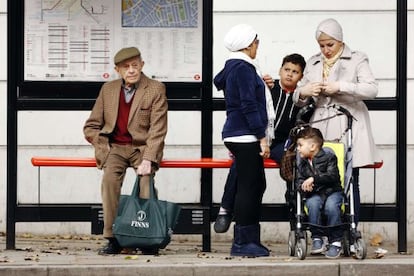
[222, 223]
[333, 251]
[318, 246]
[111, 248]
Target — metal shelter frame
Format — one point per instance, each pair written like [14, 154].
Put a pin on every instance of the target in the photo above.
[23, 96]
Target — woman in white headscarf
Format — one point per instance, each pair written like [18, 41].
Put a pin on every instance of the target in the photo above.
[246, 134]
[339, 75]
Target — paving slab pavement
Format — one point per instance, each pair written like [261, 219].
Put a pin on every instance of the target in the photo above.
[77, 255]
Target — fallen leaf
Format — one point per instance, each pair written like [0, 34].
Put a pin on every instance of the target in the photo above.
[27, 235]
[135, 257]
[28, 249]
[379, 256]
[380, 253]
[32, 258]
[4, 259]
[376, 239]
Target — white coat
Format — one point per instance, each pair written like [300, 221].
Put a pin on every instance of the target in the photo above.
[356, 83]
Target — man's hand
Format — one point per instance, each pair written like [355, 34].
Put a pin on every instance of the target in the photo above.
[144, 168]
[269, 81]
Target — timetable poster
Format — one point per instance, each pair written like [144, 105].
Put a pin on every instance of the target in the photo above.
[75, 40]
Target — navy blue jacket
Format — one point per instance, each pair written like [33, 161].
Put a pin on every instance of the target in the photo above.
[244, 94]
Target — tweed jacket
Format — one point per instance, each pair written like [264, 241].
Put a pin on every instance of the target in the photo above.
[356, 83]
[147, 122]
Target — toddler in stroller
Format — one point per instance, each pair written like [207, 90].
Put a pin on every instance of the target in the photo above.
[331, 212]
[319, 181]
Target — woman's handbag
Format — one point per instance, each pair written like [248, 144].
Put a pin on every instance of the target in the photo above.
[145, 223]
[289, 158]
[287, 163]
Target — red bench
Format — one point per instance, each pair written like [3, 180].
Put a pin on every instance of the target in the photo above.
[166, 163]
[202, 163]
[194, 218]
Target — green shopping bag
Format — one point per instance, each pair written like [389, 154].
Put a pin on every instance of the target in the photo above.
[145, 223]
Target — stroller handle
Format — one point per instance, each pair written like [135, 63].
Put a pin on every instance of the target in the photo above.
[310, 107]
[346, 113]
[304, 110]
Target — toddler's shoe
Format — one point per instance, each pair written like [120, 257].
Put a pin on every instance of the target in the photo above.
[333, 251]
[318, 246]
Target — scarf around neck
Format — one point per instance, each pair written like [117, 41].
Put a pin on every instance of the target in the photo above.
[329, 63]
[271, 116]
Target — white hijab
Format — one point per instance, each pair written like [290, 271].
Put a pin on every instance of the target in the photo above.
[239, 37]
[330, 27]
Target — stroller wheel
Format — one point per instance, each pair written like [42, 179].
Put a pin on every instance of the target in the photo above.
[291, 243]
[346, 244]
[360, 249]
[301, 249]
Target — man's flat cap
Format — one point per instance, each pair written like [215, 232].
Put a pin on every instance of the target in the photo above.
[126, 53]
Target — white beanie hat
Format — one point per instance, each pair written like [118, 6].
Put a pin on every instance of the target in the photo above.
[330, 27]
[239, 37]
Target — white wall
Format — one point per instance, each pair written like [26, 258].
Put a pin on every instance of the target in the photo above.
[284, 27]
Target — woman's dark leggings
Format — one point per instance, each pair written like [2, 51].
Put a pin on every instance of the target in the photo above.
[251, 182]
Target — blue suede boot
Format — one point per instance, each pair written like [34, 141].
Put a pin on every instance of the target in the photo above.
[247, 242]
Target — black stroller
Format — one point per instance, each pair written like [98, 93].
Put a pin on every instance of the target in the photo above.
[352, 242]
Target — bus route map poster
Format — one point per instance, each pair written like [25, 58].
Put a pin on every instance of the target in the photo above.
[75, 40]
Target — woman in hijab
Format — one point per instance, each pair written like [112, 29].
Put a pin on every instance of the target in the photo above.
[339, 75]
[245, 135]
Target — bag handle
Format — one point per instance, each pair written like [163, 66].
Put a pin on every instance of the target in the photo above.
[136, 188]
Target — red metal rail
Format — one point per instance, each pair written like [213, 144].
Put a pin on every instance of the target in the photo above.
[45, 161]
